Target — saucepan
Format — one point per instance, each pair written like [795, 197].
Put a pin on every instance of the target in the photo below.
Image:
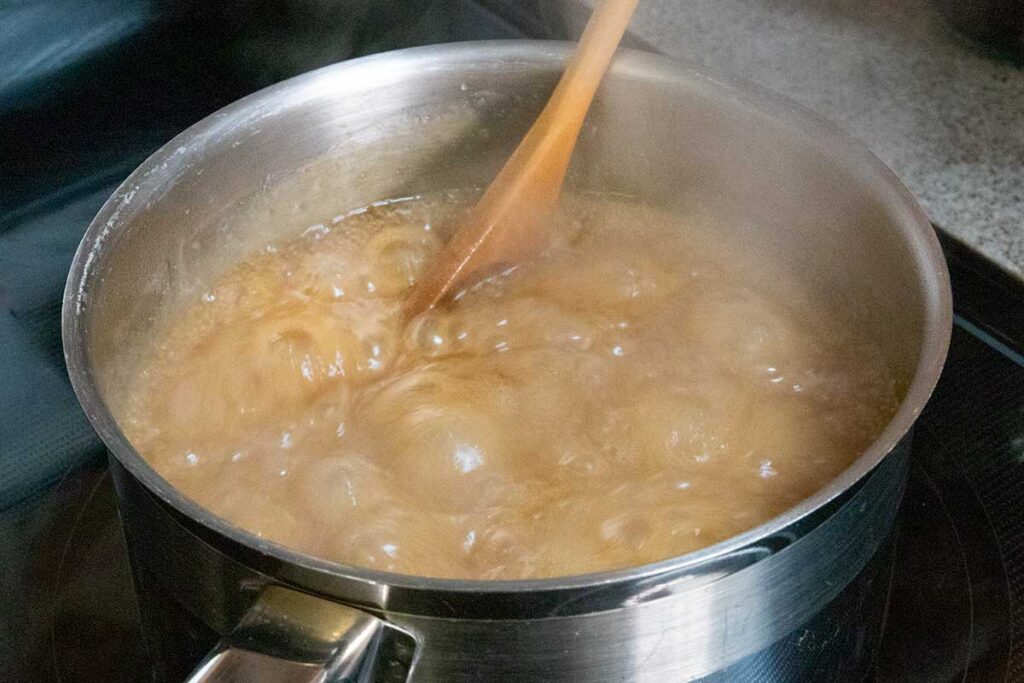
[792, 599]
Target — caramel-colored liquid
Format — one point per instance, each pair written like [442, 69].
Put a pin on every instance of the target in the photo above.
[636, 393]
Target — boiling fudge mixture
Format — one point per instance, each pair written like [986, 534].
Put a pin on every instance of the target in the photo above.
[636, 393]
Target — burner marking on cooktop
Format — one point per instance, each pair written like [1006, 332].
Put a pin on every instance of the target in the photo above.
[965, 567]
[60, 567]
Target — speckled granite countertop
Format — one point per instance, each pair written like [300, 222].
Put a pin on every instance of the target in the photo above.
[948, 119]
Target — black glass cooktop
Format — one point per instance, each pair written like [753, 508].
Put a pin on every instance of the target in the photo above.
[67, 610]
[956, 609]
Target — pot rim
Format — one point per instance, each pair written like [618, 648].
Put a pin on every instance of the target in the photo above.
[926, 253]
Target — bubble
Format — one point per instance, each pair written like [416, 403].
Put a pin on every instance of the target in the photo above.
[342, 490]
[749, 334]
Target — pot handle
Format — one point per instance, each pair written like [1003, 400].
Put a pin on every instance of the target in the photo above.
[293, 637]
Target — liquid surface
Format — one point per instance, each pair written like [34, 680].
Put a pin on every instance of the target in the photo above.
[637, 393]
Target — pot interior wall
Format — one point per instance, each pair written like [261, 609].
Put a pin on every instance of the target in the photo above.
[384, 129]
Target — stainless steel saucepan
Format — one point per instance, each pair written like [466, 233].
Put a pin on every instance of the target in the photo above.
[791, 599]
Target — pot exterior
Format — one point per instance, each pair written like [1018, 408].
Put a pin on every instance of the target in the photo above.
[810, 609]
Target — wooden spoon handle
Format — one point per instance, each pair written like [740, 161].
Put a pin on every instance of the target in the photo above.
[572, 96]
[508, 223]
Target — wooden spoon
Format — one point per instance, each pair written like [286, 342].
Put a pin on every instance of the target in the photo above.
[509, 224]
